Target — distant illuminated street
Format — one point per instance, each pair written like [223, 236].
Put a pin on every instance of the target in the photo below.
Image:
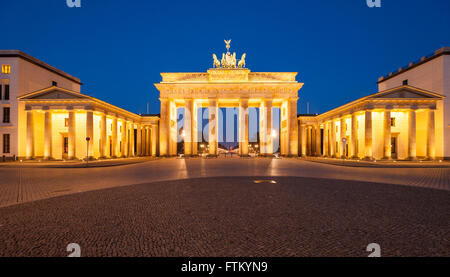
[213, 207]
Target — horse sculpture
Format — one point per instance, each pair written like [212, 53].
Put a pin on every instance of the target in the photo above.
[216, 62]
[241, 63]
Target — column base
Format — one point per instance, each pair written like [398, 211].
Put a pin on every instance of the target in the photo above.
[411, 159]
[368, 159]
[387, 159]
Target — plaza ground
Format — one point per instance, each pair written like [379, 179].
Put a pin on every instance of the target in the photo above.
[213, 207]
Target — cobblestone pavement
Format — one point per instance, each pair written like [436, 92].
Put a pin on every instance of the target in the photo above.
[230, 216]
[20, 185]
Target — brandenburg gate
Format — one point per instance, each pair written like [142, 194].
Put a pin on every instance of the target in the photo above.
[229, 84]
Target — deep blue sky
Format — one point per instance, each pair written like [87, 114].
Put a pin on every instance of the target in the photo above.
[118, 48]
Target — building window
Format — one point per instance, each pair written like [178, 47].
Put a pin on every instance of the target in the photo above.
[66, 122]
[392, 121]
[6, 97]
[6, 143]
[1, 88]
[6, 115]
[405, 82]
[54, 84]
[6, 69]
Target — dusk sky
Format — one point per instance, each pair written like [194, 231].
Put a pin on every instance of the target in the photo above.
[118, 48]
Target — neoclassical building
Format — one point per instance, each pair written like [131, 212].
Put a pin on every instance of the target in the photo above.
[398, 123]
[408, 119]
[64, 124]
[44, 115]
[229, 87]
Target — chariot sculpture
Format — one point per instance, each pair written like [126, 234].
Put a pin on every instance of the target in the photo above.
[228, 60]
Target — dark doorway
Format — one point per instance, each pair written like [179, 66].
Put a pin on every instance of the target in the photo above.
[394, 147]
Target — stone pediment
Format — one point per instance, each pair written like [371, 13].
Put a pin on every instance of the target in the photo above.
[53, 94]
[405, 93]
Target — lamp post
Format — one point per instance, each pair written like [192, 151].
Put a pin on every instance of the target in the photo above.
[344, 148]
[87, 151]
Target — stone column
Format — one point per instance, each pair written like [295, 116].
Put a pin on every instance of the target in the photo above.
[333, 139]
[308, 141]
[114, 138]
[164, 128]
[154, 140]
[243, 127]
[412, 151]
[173, 129]
[132, 145]
[284, 133]
[354, 141]
[148, 140]
[72, 135]
[387, 135]
[48, 135]
[318, 141]
[368, 135]
[30, 134]
[431, 136]
[123, 138]
[90, 132]
[194, 131]
[343, 134]
[139, 140]
[213, 126]
[262, 127]
[293, 127]
[266, 140]
[144, 140]
[103, 139]
[303, 137]
[325, 139]
[187, 127]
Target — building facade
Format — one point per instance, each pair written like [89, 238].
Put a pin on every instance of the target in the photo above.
[44, 115]
[408, 119]
[399, 123]
[431, 73]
